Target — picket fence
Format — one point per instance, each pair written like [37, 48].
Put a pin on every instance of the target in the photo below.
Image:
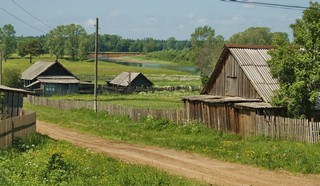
[16, 127]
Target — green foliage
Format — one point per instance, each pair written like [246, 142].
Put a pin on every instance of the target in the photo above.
[192, 137]
[205, 49]
[171, 55]
[32, 47]
[50, 162]
[11, 78]
[297, 66]
[257, 36]
[7, 41]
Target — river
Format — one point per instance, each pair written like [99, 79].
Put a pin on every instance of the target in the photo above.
[188, 69]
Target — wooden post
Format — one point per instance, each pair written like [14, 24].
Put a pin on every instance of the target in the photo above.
[0, 68]
[96, 67]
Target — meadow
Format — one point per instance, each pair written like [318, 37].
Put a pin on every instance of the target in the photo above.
[193, 137]
[38, 160]
[84, 70]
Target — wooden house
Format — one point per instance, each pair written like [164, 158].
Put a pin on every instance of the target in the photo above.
[240, 87]
[50, 78]
[11, 102]
[130, 82]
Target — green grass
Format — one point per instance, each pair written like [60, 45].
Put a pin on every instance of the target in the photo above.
[38, 160]
[107, 71]
[154, 100]
[195, 138]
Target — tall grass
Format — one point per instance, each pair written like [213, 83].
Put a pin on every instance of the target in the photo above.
[37, 160]
[194, 137]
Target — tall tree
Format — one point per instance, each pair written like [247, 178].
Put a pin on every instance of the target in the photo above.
[33, 48]
[205, 48]
[297, 66]
[7, 41]
[74, 34]
[56, 41]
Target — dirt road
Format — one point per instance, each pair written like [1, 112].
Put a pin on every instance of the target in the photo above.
[180, 163]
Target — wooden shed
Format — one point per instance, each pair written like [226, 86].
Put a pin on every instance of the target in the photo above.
[131, 82]
[49, 78]
[11, 101]
[240, 87]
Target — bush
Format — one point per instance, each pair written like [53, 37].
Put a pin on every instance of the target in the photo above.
[12, 78]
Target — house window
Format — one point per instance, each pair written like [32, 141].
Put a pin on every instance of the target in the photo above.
[50, 88]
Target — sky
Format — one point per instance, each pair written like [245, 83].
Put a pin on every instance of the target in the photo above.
[138, 19]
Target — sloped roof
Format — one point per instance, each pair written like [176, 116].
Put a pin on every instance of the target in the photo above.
[253, 61]
[38, 68]
[5, 88]
[126, 78]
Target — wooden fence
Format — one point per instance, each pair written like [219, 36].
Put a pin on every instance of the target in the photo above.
[301, 130]
[16, 127]
[174, 115]
[250, 125]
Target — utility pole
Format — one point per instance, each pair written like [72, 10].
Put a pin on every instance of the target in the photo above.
[96, 67]
[0, 68]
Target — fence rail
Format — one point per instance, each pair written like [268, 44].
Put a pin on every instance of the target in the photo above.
[16, 127]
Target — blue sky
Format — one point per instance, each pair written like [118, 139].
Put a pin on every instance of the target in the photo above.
[159, 19]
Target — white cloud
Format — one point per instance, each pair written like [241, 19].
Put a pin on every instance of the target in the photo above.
[90, 22]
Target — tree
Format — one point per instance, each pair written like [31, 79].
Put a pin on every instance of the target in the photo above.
[205, 48]
[7, 41]
[74, 34]
[56, 41]
[297, 66]
[257, 36]
[171, 43]
[33, 48]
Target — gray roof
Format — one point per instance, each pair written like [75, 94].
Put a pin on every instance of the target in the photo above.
[125, 78]
[36, 69]
[253, 62]
[5, 88]
[58, 79]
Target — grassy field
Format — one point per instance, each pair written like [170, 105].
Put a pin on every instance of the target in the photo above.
[154, 100]
[107, 71]
[195, 138]
[38, 160]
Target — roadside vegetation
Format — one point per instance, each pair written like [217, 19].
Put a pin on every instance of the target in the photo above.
[194, 137]
[38, 160]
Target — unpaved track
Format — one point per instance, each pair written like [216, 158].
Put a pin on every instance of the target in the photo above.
[180, 163]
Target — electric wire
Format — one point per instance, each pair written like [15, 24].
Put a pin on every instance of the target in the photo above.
[270, 5]
[22, 21]
[26, 11]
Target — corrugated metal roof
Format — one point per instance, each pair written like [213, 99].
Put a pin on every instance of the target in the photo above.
[253, 62]
[125, 78]
[36, 69]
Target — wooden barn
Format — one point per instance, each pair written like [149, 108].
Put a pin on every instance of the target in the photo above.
[50, 78]
[240, 87]
[130, 82]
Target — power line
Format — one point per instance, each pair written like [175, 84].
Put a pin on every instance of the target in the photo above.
[31, 14]
[22, 20]
[271, 5]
